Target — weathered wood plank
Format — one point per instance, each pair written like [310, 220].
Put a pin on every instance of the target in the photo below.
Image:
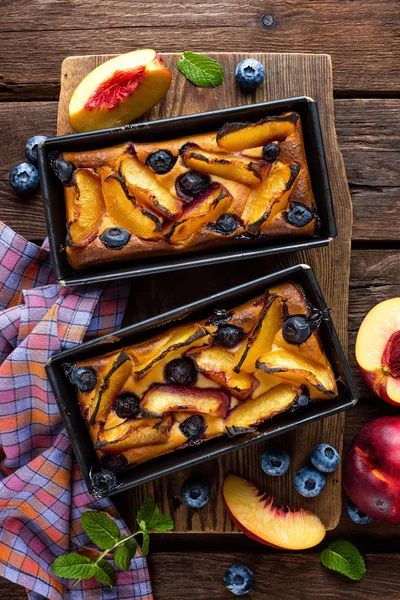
[362, 37]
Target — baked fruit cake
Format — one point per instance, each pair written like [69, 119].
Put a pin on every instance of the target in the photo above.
[224, 375]
[246, 181]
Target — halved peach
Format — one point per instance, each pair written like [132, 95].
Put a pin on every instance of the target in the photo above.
[110, 388]
[319, 380]
[235, 137]
[85, 207]
[123, 210]
[270, 197]
[378, 350]
[253, 411]
[215, 203]
[161, 399]
[256, 515]
[119, 90]
[133, 434]
[143, 185]
[238, 168]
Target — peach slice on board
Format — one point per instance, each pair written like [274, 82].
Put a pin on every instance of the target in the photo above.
[161, 399]
[255, 514]
[378, 350]
[86, 210]
[235, 137]
[119, 91]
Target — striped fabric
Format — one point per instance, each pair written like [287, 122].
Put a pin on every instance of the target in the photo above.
[42, 494]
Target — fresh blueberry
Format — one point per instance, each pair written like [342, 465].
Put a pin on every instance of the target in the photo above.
[31, 147]
[83, 378]
[115, 237]
[226, 224]
[275, 462]
[193, 426]
[127, 405]
[103, 483]
[271, 152]
[195, 492]
[24, 178]
[239, 579]
[309, 482]
[357, 515]
[228, 335]
[249, 73]
[191, 184]
[300, 402]
[61, 168]
[325, 458]
[161, 161]
[181, 371]
[113, 462]
[296, 330]
[299, 215]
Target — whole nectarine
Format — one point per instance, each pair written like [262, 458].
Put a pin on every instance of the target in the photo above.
[371, 470]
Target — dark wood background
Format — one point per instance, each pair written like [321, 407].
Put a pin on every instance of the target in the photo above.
[363, 38]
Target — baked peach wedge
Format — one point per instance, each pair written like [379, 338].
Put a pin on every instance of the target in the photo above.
[85, 208]
[134, 433]
[236, 137]
[112, 384]
[161, 399]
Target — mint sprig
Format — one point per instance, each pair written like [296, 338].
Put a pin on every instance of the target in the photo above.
[201, 70]
[344, 557]
[105, 533]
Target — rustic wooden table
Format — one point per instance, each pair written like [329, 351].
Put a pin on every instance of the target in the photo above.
[364, 42]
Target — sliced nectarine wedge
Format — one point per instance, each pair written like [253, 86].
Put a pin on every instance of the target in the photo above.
[86, 207]
[110, 388]
[255, 410]
[256, 515]
[133, 434]
[238, 168]
[161, 399]
[119, 91]
[235, 137]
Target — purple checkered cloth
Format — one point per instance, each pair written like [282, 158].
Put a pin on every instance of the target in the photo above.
[42, 494]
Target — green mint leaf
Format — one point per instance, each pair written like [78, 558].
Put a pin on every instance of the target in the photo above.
[105, 573]
[145, 543]
[147, 513]
[131, 545]
[122, 558]
[200, 70]
[343, 556]
[163, 523]
[73, 566]
[102, 530]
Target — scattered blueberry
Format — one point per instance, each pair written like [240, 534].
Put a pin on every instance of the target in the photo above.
[226, 224]
[249, 73]
[193, 426]
[296, 329]
[239, 579]
[24, 178]
[299, 215]
[61, 168]
[300, 402]
[103, 483]
[195, 492]
[228, 335]
[325, 458]
[115, 237]
[83, 378]
[275, 462]
[181, 371]
[127, 405]
[191, 184]
[309, 482]
[357, 515]
[161, 161]
[271, 152]
[31, 147]
[113, 462]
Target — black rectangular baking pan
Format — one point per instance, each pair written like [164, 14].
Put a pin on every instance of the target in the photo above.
[180, 459]
[54, 204]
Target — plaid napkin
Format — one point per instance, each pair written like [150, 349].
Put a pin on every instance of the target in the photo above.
[42, 494]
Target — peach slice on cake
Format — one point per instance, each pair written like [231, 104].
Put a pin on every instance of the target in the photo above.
[161, 399]
[133, 434]
[119, 91]
[86, 210]
[378, 350]
[235, 137]
[110, 388]
[255, 514]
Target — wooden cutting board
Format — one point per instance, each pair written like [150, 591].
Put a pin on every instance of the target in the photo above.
[285, 75]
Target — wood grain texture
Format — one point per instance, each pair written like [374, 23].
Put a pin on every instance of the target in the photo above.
[288, 75]
[362, 36]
